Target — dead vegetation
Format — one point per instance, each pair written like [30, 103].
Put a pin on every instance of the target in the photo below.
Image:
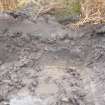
[6, 5]
[12, 5]
[91, 11]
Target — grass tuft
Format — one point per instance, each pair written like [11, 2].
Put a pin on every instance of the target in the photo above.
[92, 11]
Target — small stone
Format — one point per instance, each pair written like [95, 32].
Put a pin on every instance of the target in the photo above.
[65, 99]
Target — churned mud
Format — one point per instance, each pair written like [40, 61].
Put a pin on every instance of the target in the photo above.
[44, 63]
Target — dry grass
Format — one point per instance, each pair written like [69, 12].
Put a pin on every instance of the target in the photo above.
[92, 11]
[12, 5]
[8, 5]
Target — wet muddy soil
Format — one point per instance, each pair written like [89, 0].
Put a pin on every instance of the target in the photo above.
[44, 63]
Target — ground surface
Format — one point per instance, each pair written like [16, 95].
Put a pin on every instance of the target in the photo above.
[44, 63]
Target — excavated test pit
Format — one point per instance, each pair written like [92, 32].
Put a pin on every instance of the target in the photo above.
[44, 63]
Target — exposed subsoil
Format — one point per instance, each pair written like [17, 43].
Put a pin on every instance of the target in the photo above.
[44, 63]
